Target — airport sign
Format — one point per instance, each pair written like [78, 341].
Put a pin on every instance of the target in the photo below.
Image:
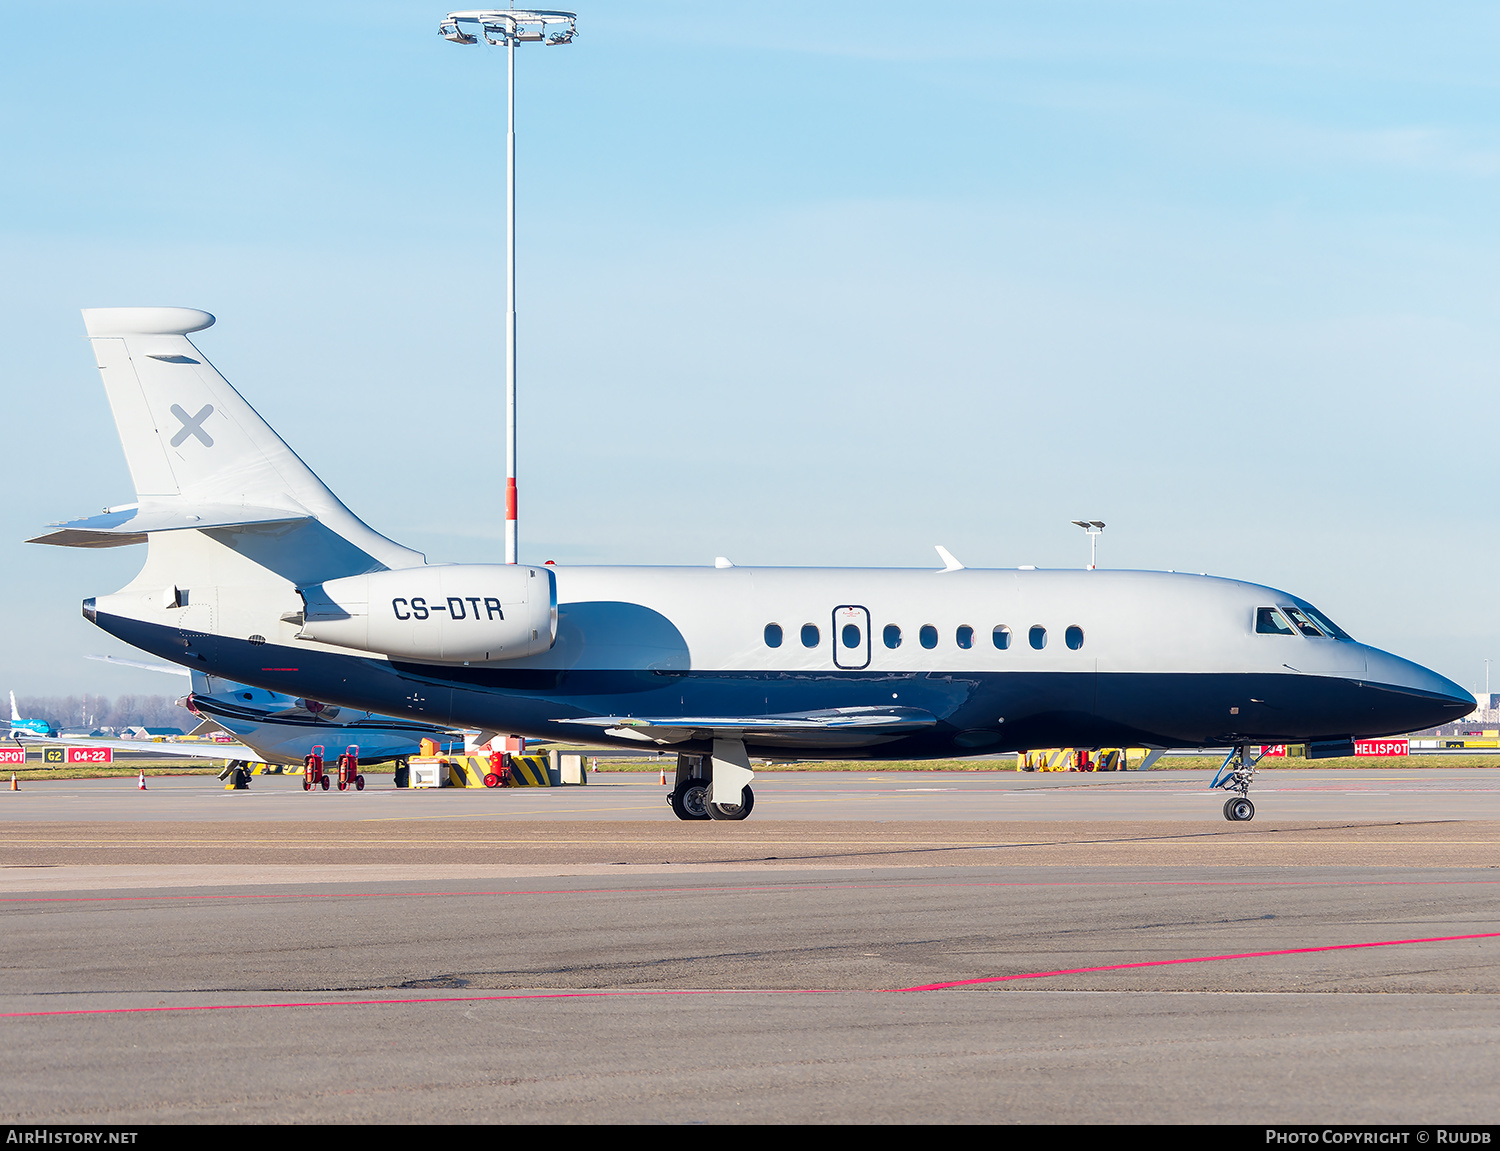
[1361, 747]
[1382, 747]
[12, 755]
[91, 755]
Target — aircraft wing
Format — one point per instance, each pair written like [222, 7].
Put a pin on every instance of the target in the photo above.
[187, 750]
[833, 727]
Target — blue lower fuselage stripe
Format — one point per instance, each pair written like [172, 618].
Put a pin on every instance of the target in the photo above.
[976, 712]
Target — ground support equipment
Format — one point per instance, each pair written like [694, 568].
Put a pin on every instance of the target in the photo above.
[313, 774]
[349, 770]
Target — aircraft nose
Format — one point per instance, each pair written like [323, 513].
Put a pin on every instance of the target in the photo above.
[1423, 696]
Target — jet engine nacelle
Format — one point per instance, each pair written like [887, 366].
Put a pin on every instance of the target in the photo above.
[453, 613]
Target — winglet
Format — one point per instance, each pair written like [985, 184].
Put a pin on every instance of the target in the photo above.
[949, 563]
[722, 562]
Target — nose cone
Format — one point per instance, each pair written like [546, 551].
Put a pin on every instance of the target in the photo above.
[1414, 696]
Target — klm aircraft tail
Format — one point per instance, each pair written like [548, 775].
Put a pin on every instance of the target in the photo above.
[202, 460]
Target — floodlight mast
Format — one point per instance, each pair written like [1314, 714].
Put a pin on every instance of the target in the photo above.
[510, 27]
[1094, 529]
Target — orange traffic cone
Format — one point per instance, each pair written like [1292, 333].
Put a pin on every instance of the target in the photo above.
[13, 786]
[664, 775]
[141, 781]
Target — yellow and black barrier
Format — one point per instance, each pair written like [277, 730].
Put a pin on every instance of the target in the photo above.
[529, 771]
[471, 770]
[1081, 759]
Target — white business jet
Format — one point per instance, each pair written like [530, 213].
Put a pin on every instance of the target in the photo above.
[255, 572]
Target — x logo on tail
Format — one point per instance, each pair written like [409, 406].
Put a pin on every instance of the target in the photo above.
[192, 426]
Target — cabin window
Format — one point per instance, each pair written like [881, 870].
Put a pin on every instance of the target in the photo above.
[964, 637]
[773, 635]
[810, 635]
[851, 635]
[1001, 636]
[1269, 621]
[928, 636]
[1038, 636]
[892, 636]
[1074, 637]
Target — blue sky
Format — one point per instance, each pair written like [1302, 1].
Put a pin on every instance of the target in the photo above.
[793, 289]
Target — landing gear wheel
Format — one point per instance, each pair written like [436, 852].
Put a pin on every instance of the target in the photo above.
[690, 800]
[1238, 810]
[491, 780]
[325, 783]
[740, 810]
[359, 783]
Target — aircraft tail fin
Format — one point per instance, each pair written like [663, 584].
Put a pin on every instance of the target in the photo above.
[14, 714]
[201, 457]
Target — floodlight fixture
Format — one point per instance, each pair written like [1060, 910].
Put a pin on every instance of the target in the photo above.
[1094, 528]
[506, 28]
[449, 30]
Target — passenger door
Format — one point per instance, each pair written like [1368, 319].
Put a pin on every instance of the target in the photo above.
[851, 637]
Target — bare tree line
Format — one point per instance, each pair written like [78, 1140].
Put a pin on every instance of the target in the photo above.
[102, 711]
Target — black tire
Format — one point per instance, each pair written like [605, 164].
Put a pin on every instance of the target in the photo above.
[690, 800]
[740, 810]
[325, 783]
[1238, 810]
[305, 785]
[359, 783]
[491, 780]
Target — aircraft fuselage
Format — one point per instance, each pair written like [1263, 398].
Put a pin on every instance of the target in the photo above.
[996, 660]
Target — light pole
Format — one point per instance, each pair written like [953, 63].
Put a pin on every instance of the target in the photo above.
[1094, 528]
[508, 28]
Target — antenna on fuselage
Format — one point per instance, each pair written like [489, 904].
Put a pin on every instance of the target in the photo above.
[1094, 528]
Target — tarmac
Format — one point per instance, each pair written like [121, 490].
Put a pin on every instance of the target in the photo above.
[903, 947]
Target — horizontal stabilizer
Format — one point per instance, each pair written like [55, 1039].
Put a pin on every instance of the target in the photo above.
[129, 523]
[834, 727]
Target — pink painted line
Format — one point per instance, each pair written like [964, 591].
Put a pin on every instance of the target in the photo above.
[754, 888]
[1194, 959]
[745, 991]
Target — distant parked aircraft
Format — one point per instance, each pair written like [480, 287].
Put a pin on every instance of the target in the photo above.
[20, 727]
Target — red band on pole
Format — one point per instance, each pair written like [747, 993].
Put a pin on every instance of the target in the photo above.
[510, 499]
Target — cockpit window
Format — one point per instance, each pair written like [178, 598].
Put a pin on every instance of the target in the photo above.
[1304, 625]
[1326, 625]
[1269, 621]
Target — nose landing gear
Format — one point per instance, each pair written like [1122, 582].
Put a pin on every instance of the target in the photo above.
[1239, 809]
[1235, 774]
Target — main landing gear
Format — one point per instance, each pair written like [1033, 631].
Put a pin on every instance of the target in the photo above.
[692, 797]
[1235, 775]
